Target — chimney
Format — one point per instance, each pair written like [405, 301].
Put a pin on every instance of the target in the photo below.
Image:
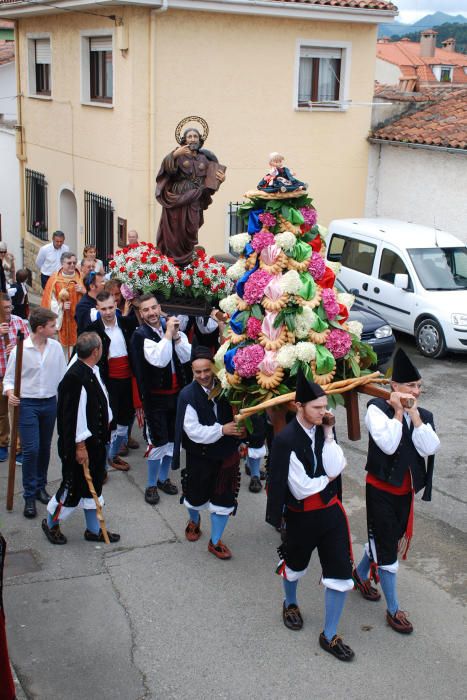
[428, 43]
[384, 40]
[449, 44]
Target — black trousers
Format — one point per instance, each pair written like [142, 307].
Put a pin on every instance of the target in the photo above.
[121, 401]
[211, 480]
[387, 517]
[160, 412]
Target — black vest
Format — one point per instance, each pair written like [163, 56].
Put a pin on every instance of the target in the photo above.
[127, 326]
[392, 468]
[151, 379]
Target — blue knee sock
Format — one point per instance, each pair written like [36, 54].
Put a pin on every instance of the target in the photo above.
[388, 584]
[92, 522]
[254, 464]
[218, 523]
[194, 515]
[290, 591]
[363, 569]
[333, 606]
[116, 444]
[50, 521]
[165, 466]
[153, 471]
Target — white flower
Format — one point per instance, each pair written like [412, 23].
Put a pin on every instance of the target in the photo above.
[335, 266]
[236, 270]
[219, 356]
[229, 304]
[355, 328]
[306, 352]
[290, 282]
[304, 321]
[287, 355]
[238, 242]
[285, 240]
[346, 299]
[222, 377]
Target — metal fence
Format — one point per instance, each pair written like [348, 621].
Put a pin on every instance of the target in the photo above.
[99, 224]
[36, 204]
[236, 224]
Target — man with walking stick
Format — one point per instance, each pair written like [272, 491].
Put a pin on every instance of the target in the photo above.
[83, 417]
[41, 370]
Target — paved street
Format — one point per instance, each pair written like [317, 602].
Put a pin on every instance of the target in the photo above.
[158, 617]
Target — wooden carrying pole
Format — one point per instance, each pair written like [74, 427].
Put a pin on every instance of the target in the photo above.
[14, 426]
[100, 514]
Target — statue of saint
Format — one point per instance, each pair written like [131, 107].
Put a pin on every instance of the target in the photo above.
[186, 181]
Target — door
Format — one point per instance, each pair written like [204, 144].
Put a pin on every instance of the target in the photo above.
[398, 306]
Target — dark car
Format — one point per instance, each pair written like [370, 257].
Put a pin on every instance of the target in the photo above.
[376, 330]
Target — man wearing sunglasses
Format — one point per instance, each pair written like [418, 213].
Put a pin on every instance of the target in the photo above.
[62, 294]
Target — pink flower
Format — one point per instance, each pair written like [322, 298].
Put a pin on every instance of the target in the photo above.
[338, 343]
[253, 327]
[247, 359]
[127, 292]
[330, 303]
[267, 219]
[316, 266]
[261, 240]
[310, 215]
[254, 288]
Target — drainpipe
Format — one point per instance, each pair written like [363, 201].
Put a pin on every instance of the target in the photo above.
[20, 143]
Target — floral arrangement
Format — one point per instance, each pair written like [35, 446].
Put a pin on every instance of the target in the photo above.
[285, 313]
[143, 268]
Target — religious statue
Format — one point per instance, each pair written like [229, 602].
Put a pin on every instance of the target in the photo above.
[186, 181]
[279, 178]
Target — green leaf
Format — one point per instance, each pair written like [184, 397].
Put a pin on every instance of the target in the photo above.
[339, 399]
[355, 367]
[294, 369]
[256, 312]
[285, 211]
[332, 400]
[248, 424]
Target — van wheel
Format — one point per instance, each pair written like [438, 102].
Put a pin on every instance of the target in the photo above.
[430, 339]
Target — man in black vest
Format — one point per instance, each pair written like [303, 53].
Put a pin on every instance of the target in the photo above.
[304, 486]
[211, 438]
[83, 417]
[400, 461]
[115, 332]
[161, 362]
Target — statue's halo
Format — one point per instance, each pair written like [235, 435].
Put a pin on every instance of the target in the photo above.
[202, 122]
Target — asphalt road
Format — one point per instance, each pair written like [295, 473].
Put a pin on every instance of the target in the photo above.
[158, 617]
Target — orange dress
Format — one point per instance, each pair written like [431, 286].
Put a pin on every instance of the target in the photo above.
[60, 288]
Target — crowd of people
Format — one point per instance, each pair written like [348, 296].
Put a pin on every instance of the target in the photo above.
[93, 363]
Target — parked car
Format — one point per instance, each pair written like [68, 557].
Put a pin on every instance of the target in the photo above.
[415, 275]
[376, 330]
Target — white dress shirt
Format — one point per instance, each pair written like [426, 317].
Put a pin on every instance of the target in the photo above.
[41, 372]
[48, 258]
[387, 433]
[117, 340]
[202, 434]
[82, 430]
[160, 354]
[300, 484]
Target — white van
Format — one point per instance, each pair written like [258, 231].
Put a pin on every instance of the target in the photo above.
[415, 276]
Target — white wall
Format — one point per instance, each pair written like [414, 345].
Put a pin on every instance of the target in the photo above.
[8, 91]
[9, 193]
[418, 185]
[387, 73]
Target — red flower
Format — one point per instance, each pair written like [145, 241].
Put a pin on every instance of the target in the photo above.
[153, 276]
[316, 243]
[179, 274]
[212, 260]
[153, 260]
[125, 250]
[187, 282]
[164, 268]
[223, 270]
[189, 271]
[140, 273]
[328, 279]
[206, 266]
[214, 288]
[172, 280]
[144, 259]
[130, 275]
[122, 268]
[195, 263]
[207, 282]
[222, 285]
[171, 260]
[201, 274]
[113, 264]
[214, 271]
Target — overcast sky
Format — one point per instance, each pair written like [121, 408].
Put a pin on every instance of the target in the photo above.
[413, 10]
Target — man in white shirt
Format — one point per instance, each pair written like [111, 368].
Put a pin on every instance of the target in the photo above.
[48, 257]
[42, 370]
[304, 487]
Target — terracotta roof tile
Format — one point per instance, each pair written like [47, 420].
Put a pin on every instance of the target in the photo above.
[440, 123]
[358, 4]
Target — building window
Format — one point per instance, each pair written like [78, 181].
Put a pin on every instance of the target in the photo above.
[36, 204]
[100, 69]
[121, 232]
[40, 59]
[99, 224]
[446, 75]
[322, 74]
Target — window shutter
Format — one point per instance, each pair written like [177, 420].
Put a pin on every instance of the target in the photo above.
[311, 52]
[100, 43]
[43, 55]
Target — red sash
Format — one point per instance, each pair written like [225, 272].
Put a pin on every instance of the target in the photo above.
[119, 367]
[314, 502]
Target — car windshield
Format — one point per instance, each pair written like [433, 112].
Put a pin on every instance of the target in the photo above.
[440, 269]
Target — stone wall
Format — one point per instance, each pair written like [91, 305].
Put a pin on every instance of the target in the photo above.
[31, 248]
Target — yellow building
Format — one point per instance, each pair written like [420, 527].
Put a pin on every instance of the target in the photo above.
[101, 96]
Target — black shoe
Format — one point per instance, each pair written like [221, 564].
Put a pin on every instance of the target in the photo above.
[336, 647]
[42, 496]
[30, 508]
[151, 495]
[292, 617]
[53, 534]
[167, 487]
[255, 485]
[92, 537]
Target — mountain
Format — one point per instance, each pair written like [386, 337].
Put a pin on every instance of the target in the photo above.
[427, 22]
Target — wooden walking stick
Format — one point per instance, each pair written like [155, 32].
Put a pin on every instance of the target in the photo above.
[100, 514]
[14, 427]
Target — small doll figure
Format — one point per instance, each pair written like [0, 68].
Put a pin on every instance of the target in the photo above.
[279, 178]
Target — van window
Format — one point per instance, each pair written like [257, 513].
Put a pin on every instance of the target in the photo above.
[352, 253]
[391, 265]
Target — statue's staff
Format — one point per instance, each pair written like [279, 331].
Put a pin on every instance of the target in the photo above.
[14, 425]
